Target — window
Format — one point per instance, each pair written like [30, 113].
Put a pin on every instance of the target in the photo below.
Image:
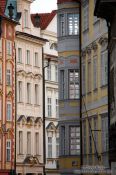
[73, 24]
[95, 73]
[49, 102]
[63, 140]
[90, 137]
[19, 91]
[49, 147]
[49, 72]
[83, 79]
[28, 56]
[85, 17]
[89, 76]
[36, 94]
[56, 73]
[37, 143]
[28, 93]
[25, 18]
[8, 76]
[62, 25]
[9, 111]
[96, 132]
[73, 84]
[57, 108]
[62, 84]
[105, 133]
[0, 73]
[104, 68]
[28, 142]
[74, 140]
[19, 55]
[84, 137]
[20, 142]
[8, 150]
[36, 59]
[57, 146]
[9, 47]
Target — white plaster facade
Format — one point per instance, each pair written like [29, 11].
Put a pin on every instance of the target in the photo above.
[29, 94]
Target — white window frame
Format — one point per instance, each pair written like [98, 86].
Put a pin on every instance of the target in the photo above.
[20, 84]
[8, 150]
[49, 147]
[37, 143]
[49, 72]
[26, 18]
[57, 108]
[62, 25]
[8, 76]
[29, 142]
[36, 94]
[49, 104]
[36, 55]
[57, 146]
[19, 55]
[29, 93]
[73, 24]
[20, 142]
[9, 111]
[28, 61]
[56, 73]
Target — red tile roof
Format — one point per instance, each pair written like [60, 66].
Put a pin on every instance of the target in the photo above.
[3, 5]
[63, 1]
[45, 19]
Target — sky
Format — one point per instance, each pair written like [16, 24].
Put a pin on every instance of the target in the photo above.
[43, 6]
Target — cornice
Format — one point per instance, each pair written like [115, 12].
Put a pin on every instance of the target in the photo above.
[29, 74]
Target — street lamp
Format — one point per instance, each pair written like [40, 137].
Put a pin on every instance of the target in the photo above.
[44, 133]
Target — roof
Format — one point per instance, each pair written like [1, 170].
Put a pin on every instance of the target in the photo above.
[45, 19]
[63, 1]
[3, 5]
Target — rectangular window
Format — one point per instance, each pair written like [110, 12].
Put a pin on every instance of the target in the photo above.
[56, 73]
[89, 76]
[19, 55]
[36, 94]
[63, 140]
[36, 59]
[95, 73]
[73, 84]
[83, 79]
[57, 146]
[57, 108]
[28, 93]
[73, 24]
[85, 17]
[62, 84]
[104, 68]
[49, 147]
[0, 73]
[28, 56]
[20, 142]
[74, 140]
[49, 72]
[37, 143]
[8, 150]
[9, 111]
[62, 25]
[28, 142]
[9, 47]
[25, 18]
[96, 133]
[8, 76]
[19, 91]
[105, 133]
[49, 102]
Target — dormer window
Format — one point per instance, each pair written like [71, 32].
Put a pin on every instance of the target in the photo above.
[25, 18]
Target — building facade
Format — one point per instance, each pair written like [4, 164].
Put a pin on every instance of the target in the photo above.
[29, 93]
[69, 97]
[94, 87]
[107, 10]
[7, 92]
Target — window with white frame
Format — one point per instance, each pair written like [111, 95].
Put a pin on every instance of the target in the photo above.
[28, 56]
[49, 72]
[0, 73]
[104, 68]
[49, 103]
[49, 147]
[20, 142]
[62, 84]
[63, 140]
[25, 18]
[36, 59]
[83, 79]
[57, 110]
[19, 91]
[28, 93]
[20, 55]
[105, 133]
[9, 111]
[28, 142]
[95, 73]
[36, 94]
[73, 84]
[89, 77]
[73, 24]
[8, 150]
[85, 17]
[37, 143]
[9, 47]
[57, 146]
[84, 137]
[8, 76]
[62, 25]
[56, 73]
[74, 140]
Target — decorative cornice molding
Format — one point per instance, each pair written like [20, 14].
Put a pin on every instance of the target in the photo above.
[29, 74]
